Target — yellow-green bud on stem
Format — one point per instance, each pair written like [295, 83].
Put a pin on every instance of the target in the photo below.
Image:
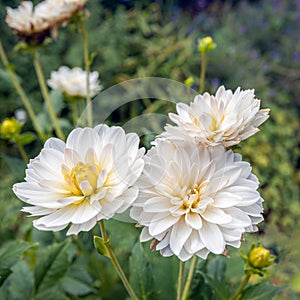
[189, 81]
[206, 44]
[259, 257]
[10, 128]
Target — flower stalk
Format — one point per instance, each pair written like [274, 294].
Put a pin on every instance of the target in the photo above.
[115, 262]
[87, 64]
[202, 72]
[22, 151]
[180, 279]
[44, 90]
[21, 92]
[241, 287]
[187, 286]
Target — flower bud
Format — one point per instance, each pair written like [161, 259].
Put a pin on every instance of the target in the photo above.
[189, 81]
[10, 128]
[206, 44]
[260, 257]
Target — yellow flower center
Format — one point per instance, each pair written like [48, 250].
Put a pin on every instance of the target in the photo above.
[193, 195]
[82, 180]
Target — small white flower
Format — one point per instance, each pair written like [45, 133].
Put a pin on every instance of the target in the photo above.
[73, 81]
[194, 200]
[224, 119]
[86, 179]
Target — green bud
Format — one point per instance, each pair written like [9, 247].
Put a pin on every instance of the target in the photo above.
[206, 44]
[189, 81]
[100, 246]
[260, 258]
[10, 128]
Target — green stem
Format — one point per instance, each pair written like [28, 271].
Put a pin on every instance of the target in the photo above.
[74, 107]
[187, 286]
[22, 152]
[44, 90]
[87, 70]
[180, 279]
[241, 287]
[203, 72]
[115, 262]
[22, 94]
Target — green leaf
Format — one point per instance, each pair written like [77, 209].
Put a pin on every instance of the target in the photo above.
[141, 277]
[199, 288]
[261, 291]
[216, 268]
[26, 138]
[21, 282]
[100, 246]
[51, 294]
[9, 255]
[52, 266]
[77, 281]
[16, 165]
[75, 287]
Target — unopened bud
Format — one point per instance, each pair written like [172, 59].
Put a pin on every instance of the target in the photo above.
[206, 44]
[260, 257]
[10, 128]
[189, 81]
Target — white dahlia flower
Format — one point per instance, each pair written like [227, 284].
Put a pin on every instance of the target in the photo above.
[33, 24]
[59, 11]
[86, 179]
[224, 119]
[73, 81]
[24, 20]
[195, 200]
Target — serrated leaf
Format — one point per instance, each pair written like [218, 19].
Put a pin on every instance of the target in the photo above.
[141, 277]
[26, 138]
[199, 289]
[261, 291]
[75, 287]
[51, 267]
[9, 255]
[51, 294]
[219, 289]
[100, 246]
[21, 282]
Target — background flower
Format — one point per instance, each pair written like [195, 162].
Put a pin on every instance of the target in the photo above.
[224, 119]
[196, 200]
[24, 19]
[84, 180]
[73, 81]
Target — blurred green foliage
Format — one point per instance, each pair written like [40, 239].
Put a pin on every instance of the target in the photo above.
[257, 47]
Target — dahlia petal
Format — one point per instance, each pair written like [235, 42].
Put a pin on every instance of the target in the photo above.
[162, 225]
[179, 234]
[212, 238]
[216, 215]
[76, 228]
[194, 220]
[145, 236]
[56, 144]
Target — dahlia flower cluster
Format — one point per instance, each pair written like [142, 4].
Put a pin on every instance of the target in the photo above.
[34, 23]
[191, 195]
[196, 196]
